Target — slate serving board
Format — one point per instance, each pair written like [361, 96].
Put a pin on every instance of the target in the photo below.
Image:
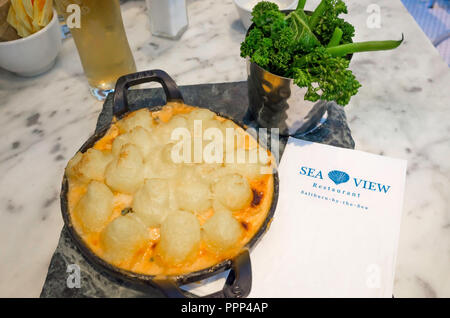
[229, 99]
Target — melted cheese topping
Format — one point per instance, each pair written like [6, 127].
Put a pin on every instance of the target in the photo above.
[146, 259]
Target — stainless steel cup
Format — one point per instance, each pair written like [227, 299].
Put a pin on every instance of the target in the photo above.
[276, 102]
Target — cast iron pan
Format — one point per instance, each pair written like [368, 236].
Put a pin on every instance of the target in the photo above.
[239, 280]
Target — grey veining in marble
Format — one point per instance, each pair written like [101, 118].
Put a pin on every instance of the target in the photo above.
[401, 111]
[229, 99]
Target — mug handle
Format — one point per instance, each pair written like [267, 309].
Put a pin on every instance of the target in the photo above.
[237, 285]
[120, 100]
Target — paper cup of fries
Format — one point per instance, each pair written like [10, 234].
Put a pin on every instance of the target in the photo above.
[34, 48]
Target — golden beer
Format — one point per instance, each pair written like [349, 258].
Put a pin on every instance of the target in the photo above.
[101, 41]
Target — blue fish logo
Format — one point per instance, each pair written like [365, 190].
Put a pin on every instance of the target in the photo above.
[338, 177]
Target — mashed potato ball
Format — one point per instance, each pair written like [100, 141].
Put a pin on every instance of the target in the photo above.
[142, 138]
[205, 117]
[123, 237]
[126, 173]
[202, 114]
[90, 165]
[151, 203]
[95, 207]
[119, 142]
[138, 136]
[70, 169]
[180, 237]
[164, 131]
[159, 163]
[141, 117]
[233, 191]
[192, 193]
[222, 230]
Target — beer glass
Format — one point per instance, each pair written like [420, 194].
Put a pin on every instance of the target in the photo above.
[101, 41]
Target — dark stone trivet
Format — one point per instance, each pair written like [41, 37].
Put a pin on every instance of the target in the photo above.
[229, 99]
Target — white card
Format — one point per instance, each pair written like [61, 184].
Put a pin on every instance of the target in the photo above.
[336, 227]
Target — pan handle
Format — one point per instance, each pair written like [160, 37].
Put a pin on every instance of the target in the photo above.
[120, 101]
[237, 285]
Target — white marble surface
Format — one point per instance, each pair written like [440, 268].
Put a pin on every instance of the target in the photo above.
[401, 111]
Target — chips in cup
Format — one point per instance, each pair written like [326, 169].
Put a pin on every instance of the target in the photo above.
[29, 16]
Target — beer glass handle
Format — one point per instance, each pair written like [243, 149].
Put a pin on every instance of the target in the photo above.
[120, 104]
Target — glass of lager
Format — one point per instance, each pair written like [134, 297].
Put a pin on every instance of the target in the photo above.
[99, 34]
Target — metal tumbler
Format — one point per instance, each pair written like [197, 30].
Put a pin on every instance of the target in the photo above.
[276, 102]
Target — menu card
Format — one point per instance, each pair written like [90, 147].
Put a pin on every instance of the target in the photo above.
[336, 227]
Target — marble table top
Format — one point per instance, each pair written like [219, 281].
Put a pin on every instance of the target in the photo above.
[401, 111]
